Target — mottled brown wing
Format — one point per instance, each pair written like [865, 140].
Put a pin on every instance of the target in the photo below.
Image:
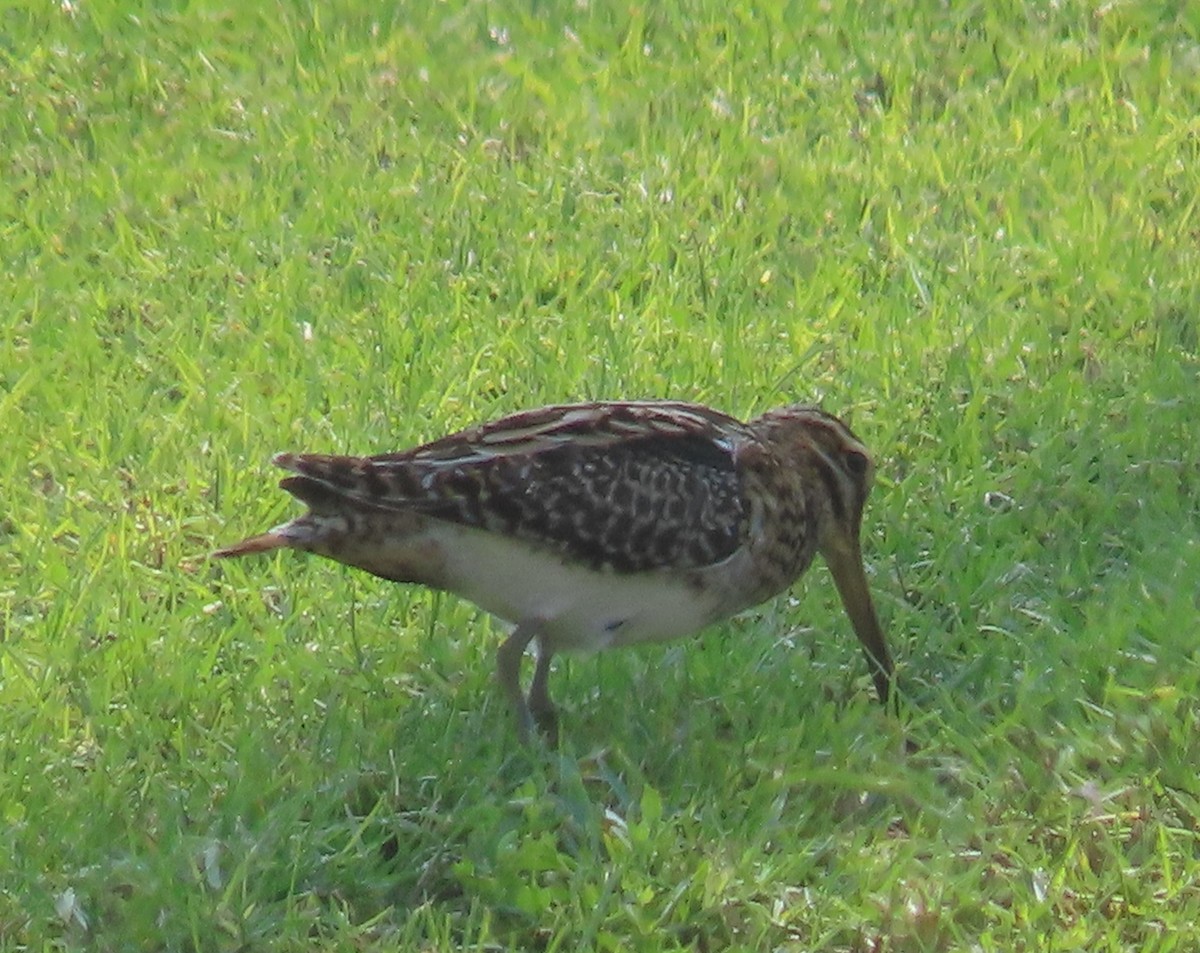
[627, 487]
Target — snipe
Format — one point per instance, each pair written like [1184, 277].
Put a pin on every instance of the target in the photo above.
[600, 524]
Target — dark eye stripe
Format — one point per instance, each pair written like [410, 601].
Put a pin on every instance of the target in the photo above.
[833, 484]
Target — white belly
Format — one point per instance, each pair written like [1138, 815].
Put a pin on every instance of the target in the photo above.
[573, 608]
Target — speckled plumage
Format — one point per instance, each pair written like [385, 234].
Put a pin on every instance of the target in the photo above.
[599, 524]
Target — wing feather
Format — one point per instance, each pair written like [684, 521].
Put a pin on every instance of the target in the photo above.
[626, 487]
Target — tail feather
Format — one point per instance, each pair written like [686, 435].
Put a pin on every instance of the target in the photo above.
[333, 470]
[320, 497]
[327, 482]
[262, 543]
[322, 484]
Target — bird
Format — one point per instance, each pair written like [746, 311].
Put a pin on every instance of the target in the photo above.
[594, 525]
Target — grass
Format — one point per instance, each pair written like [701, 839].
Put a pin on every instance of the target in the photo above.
[234, 229]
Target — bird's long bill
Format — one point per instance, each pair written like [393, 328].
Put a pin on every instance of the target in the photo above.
[846, 565]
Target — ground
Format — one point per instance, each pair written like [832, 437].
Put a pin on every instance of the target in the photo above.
[228, 230]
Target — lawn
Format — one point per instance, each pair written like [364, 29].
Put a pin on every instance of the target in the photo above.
[971, 229]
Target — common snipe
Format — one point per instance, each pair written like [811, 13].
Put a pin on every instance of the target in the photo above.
[599, 524]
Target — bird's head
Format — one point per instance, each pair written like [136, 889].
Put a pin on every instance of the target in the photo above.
[839, 472]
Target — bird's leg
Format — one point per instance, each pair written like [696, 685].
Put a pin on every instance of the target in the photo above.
[536, 710]
[508, 671]
[540, 705]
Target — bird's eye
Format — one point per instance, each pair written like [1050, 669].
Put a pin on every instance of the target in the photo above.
[856, 462]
